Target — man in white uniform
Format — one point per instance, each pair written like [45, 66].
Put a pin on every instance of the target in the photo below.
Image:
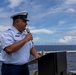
[17, 46]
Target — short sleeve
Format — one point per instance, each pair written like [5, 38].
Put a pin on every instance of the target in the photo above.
[6, 39]
[31, 44]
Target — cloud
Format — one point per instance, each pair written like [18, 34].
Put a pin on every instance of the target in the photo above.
[46, 31]
[1, 9]
[65, 7]
[66, 39]
[36, 39]
[61, 22]
[15, 3]
[40, 15]
[5, 14]
[2, 27]
[71, 10]
[70, 36]
[39, 31]
[70, 2]
[71, 33]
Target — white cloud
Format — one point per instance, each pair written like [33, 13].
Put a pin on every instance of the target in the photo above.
[39, 31]
[5, 14]
[61, 9]
[71, 33]
[14, 3]
[46, 31]
[1, 9]
[71, 10]
[40, 15]
[2, 27]
[66, 39]
[69, 38]
[70, 2]
[31, 27]
[61, 22]
[36, 39]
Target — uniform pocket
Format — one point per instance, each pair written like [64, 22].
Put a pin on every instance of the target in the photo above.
[17, 39]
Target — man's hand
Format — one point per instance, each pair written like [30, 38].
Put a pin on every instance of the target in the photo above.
[28, 37]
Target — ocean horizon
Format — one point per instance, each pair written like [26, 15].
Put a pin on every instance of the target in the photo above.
[55, 47]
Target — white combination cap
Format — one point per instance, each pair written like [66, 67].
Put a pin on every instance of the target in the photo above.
[21, 15]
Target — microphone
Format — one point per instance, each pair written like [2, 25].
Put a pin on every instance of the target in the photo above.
[28, 31]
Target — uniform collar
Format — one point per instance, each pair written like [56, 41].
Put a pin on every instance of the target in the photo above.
[18, 32]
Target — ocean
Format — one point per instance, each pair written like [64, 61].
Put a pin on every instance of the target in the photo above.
[55, 47]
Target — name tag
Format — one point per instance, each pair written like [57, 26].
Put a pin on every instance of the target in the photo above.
[17, 35]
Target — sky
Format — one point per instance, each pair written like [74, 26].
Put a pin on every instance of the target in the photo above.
[52, 22]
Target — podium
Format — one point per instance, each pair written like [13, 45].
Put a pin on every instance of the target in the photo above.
[52, 64]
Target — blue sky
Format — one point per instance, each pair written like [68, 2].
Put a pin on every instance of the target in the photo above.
[52, 22]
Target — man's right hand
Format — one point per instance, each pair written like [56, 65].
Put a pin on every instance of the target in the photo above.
[28, 37]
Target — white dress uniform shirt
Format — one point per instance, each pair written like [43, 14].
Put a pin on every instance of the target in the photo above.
[19, 57]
